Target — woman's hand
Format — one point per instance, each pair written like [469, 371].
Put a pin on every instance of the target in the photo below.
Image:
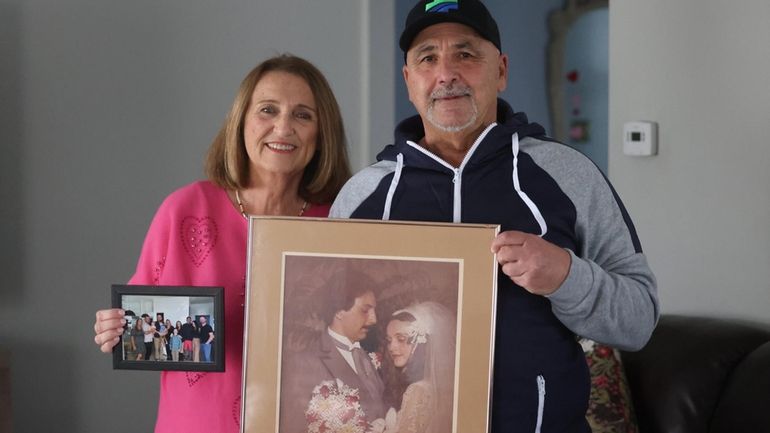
[108, 328]
[391, 421]
[377, 426]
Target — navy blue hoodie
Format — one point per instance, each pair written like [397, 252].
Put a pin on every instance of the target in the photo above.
[516, 177]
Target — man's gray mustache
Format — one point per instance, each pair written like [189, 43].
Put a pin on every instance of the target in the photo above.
[450, 92]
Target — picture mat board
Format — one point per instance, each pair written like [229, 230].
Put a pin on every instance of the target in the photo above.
[270, 238]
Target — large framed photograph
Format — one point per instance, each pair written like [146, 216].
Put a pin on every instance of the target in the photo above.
[170, 328]
[366, 326]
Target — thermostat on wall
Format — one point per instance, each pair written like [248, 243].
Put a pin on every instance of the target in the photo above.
[640, 138]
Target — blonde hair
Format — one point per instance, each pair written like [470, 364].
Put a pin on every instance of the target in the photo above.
[227, 163]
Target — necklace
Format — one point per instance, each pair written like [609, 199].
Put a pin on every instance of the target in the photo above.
[245, 215]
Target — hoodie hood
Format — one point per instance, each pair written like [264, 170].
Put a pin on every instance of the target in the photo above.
[508, 122]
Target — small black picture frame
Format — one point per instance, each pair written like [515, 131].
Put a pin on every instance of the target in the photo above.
[204, 306]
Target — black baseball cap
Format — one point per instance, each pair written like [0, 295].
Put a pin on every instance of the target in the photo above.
[472, 13]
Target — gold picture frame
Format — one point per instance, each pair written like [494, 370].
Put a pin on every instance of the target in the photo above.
[291, 260]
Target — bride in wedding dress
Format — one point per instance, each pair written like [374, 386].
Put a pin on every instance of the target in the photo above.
[419, 369]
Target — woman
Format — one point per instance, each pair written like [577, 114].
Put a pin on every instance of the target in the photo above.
[281, 151]
[419, 369]
[137, 337]
[167, 339]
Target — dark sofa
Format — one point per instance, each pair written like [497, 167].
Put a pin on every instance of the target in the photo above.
[701, 375]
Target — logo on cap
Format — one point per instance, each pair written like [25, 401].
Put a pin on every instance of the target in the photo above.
[441, 6]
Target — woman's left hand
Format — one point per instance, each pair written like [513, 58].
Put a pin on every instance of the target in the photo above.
[377, 426]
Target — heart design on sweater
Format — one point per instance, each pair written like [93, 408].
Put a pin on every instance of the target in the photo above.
[237, 411]
[199, 235]
[193, 378]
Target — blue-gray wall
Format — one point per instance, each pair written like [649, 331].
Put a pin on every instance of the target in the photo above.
[105, 108]
[586, 100]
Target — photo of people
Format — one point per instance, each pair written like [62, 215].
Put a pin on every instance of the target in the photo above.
[369, 344]
[169, 328]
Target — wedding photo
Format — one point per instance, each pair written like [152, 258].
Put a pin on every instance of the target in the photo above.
[368, 326]
[368, 342]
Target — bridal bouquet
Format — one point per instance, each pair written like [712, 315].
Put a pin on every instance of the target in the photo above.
[335, 407]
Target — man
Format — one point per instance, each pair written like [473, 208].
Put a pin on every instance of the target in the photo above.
[159, 338]
[207, 338]
[196, 344]
[188, 332]
[348, 310]
[148, 331]
[570, 258]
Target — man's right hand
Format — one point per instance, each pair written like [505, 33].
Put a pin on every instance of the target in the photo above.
[108, 328]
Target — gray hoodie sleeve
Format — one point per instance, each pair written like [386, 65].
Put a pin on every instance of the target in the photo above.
[359, 188]
[610, 293]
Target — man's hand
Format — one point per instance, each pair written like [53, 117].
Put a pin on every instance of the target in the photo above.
[531, 262]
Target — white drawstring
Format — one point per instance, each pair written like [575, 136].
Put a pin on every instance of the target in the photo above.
[530, 204]
[540, 402]
[393, 185]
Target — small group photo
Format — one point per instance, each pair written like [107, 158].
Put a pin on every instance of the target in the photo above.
[177, 331]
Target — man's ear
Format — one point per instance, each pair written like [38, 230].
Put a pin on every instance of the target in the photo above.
[502, 79]
[405, 73]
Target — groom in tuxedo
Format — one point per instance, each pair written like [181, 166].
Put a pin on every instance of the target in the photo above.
[348, 309]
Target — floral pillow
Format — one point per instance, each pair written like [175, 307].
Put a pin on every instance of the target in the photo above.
[609, 407]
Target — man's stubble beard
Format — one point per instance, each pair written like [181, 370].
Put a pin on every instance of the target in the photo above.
[449, 92]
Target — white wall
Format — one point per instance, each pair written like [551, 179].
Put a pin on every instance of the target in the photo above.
[106, 107]
[700, 69]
